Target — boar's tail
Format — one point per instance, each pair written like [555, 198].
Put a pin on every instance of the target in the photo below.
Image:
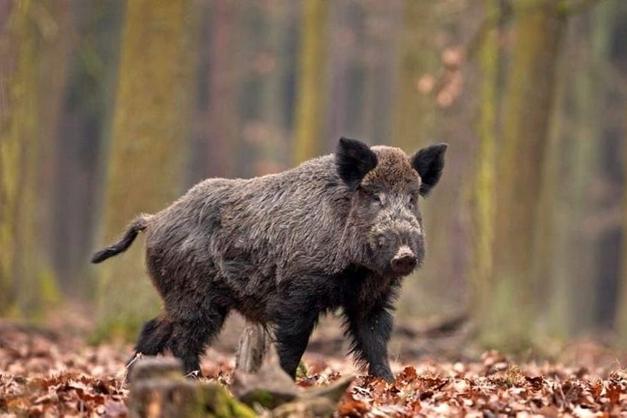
[139, 224]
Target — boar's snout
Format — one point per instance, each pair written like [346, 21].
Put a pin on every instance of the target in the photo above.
[404, 261]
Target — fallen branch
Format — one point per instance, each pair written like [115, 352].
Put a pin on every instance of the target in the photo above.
[270, 387]
[159, 390]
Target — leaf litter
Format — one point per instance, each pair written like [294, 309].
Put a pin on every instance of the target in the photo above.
[44, 373]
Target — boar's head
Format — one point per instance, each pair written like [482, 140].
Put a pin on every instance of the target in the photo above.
[384, 227]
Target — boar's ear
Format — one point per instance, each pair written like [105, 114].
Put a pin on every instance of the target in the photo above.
[429, 162]
[354, 160]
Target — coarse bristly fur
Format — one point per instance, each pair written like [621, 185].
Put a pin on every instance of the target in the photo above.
[336, 232]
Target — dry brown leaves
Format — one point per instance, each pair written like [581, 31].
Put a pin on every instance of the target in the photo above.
[492, 387]
[45, 374]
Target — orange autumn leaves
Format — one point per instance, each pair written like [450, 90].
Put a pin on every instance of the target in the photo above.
[51, 373]
[492, 387]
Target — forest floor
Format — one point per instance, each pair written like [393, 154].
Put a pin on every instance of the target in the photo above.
[54, 372]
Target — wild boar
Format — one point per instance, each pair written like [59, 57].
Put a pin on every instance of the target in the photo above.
[336, 232]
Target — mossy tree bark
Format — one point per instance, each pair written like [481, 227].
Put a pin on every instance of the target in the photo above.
[414, 112]
[529, 92]
[144, 172]
[483, 205]
[311, 81]
[26, 281]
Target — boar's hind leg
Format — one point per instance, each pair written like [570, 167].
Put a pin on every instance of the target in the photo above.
[152, 340]
[191, 335]
[370, 333]
[154, 337]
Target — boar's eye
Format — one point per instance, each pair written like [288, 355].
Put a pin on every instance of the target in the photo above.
[412, 200]
[374, 197]
[378, 199]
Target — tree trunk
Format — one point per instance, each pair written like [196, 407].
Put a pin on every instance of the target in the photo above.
[311, 81]
[222, 92]
[483, 191]
[272, 144]
[378, 61]
[52, 79]
[529, 95]
[26, 282]
[414, 108]
[414, 123]
[147, 149]
[620, 319]
[84, 122]
[621, 314]
[572, 300]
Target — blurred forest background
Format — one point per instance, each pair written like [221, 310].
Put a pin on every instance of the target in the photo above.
[111, 108]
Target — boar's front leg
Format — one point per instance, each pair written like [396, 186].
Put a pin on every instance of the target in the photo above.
[370, 332]
[292, 338]
[295, 320]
